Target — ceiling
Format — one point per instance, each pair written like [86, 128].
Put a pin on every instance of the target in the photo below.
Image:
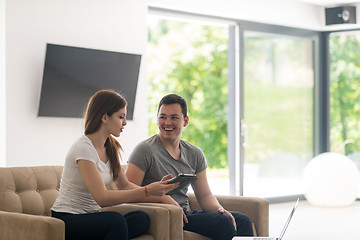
[326, 2]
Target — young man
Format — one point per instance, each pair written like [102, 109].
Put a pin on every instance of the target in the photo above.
[166, 153]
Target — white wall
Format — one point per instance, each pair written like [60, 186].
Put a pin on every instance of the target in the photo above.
[280, 12]
[115, 25]
[289, 13]
[2, 84]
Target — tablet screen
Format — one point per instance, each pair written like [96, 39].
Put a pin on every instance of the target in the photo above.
[184, 179]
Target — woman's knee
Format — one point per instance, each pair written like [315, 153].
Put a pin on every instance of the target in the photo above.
[138, 216]
[114, 219]
[116, 225]
[138, 222]
[144, 217]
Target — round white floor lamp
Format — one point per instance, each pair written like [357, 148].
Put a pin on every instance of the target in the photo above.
[331, 180]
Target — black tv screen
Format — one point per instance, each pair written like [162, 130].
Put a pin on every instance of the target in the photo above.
[72, 75]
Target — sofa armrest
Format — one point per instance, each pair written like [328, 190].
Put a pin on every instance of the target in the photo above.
[30, 227]
[159, 217]
[256, 208]
[176, 219]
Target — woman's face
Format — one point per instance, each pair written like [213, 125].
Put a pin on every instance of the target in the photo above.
[115, 123]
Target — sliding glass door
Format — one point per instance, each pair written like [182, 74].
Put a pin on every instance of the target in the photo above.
[250, 90]
[277, 123]
[344, 48]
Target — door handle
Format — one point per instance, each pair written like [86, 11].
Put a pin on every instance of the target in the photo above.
[244, 133]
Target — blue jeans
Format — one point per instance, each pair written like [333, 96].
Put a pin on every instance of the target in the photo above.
[218, 226]
[103, 225]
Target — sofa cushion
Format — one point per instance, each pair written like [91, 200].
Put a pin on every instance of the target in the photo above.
[30, 190]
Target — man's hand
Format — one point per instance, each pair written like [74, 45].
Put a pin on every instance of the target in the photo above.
[222, 210]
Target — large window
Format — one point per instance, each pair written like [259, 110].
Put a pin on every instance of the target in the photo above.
[250, 90]
[277, 124]
[190, 59]
[345, 94]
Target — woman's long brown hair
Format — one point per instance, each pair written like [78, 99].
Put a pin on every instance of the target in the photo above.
[101, 103]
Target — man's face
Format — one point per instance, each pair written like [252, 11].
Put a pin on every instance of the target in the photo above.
[171, 121]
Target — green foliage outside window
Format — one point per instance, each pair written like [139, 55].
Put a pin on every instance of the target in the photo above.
[345, 93]
[191, 60]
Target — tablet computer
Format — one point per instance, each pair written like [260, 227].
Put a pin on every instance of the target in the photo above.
[184, 179]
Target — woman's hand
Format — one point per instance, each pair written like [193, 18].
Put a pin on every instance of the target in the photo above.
[167, 177]
[160, 188]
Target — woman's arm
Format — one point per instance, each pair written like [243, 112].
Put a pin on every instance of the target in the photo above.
[136, 176]
[105, 197]
[123, 183]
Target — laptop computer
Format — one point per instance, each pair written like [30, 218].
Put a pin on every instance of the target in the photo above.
[272, 238]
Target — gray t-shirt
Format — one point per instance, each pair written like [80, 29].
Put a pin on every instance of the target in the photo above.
[74, 196]
[152, 157]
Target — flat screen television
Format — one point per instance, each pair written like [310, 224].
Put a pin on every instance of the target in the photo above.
[73, 74]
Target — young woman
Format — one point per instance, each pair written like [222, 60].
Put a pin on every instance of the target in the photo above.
[92, 163]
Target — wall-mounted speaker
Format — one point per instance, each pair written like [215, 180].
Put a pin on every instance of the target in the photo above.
[340, 15]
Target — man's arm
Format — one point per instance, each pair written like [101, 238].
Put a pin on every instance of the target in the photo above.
[205, 198]
[134, 174]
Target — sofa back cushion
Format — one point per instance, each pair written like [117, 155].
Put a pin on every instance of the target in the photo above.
[30, 190]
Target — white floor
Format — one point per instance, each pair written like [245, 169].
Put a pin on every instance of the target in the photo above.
[309, 222]
[316, 223]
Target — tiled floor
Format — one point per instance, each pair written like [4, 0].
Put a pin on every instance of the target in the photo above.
[316, 223]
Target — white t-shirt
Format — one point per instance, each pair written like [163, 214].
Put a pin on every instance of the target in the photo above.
[74, 196]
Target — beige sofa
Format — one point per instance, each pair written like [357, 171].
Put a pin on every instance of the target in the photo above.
[27, 194]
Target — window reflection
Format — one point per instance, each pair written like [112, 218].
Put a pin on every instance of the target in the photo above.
[278, 112]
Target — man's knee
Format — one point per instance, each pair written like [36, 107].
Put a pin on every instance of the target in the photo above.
[242, 218]
[224, 223]
[222, 218]
[224, 227]
[243, 223]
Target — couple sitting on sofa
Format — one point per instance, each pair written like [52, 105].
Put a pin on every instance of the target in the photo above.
[93, 162]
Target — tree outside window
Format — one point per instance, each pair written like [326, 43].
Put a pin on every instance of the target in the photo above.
[190, 59]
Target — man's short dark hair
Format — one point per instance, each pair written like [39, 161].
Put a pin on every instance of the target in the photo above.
[173, 99]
